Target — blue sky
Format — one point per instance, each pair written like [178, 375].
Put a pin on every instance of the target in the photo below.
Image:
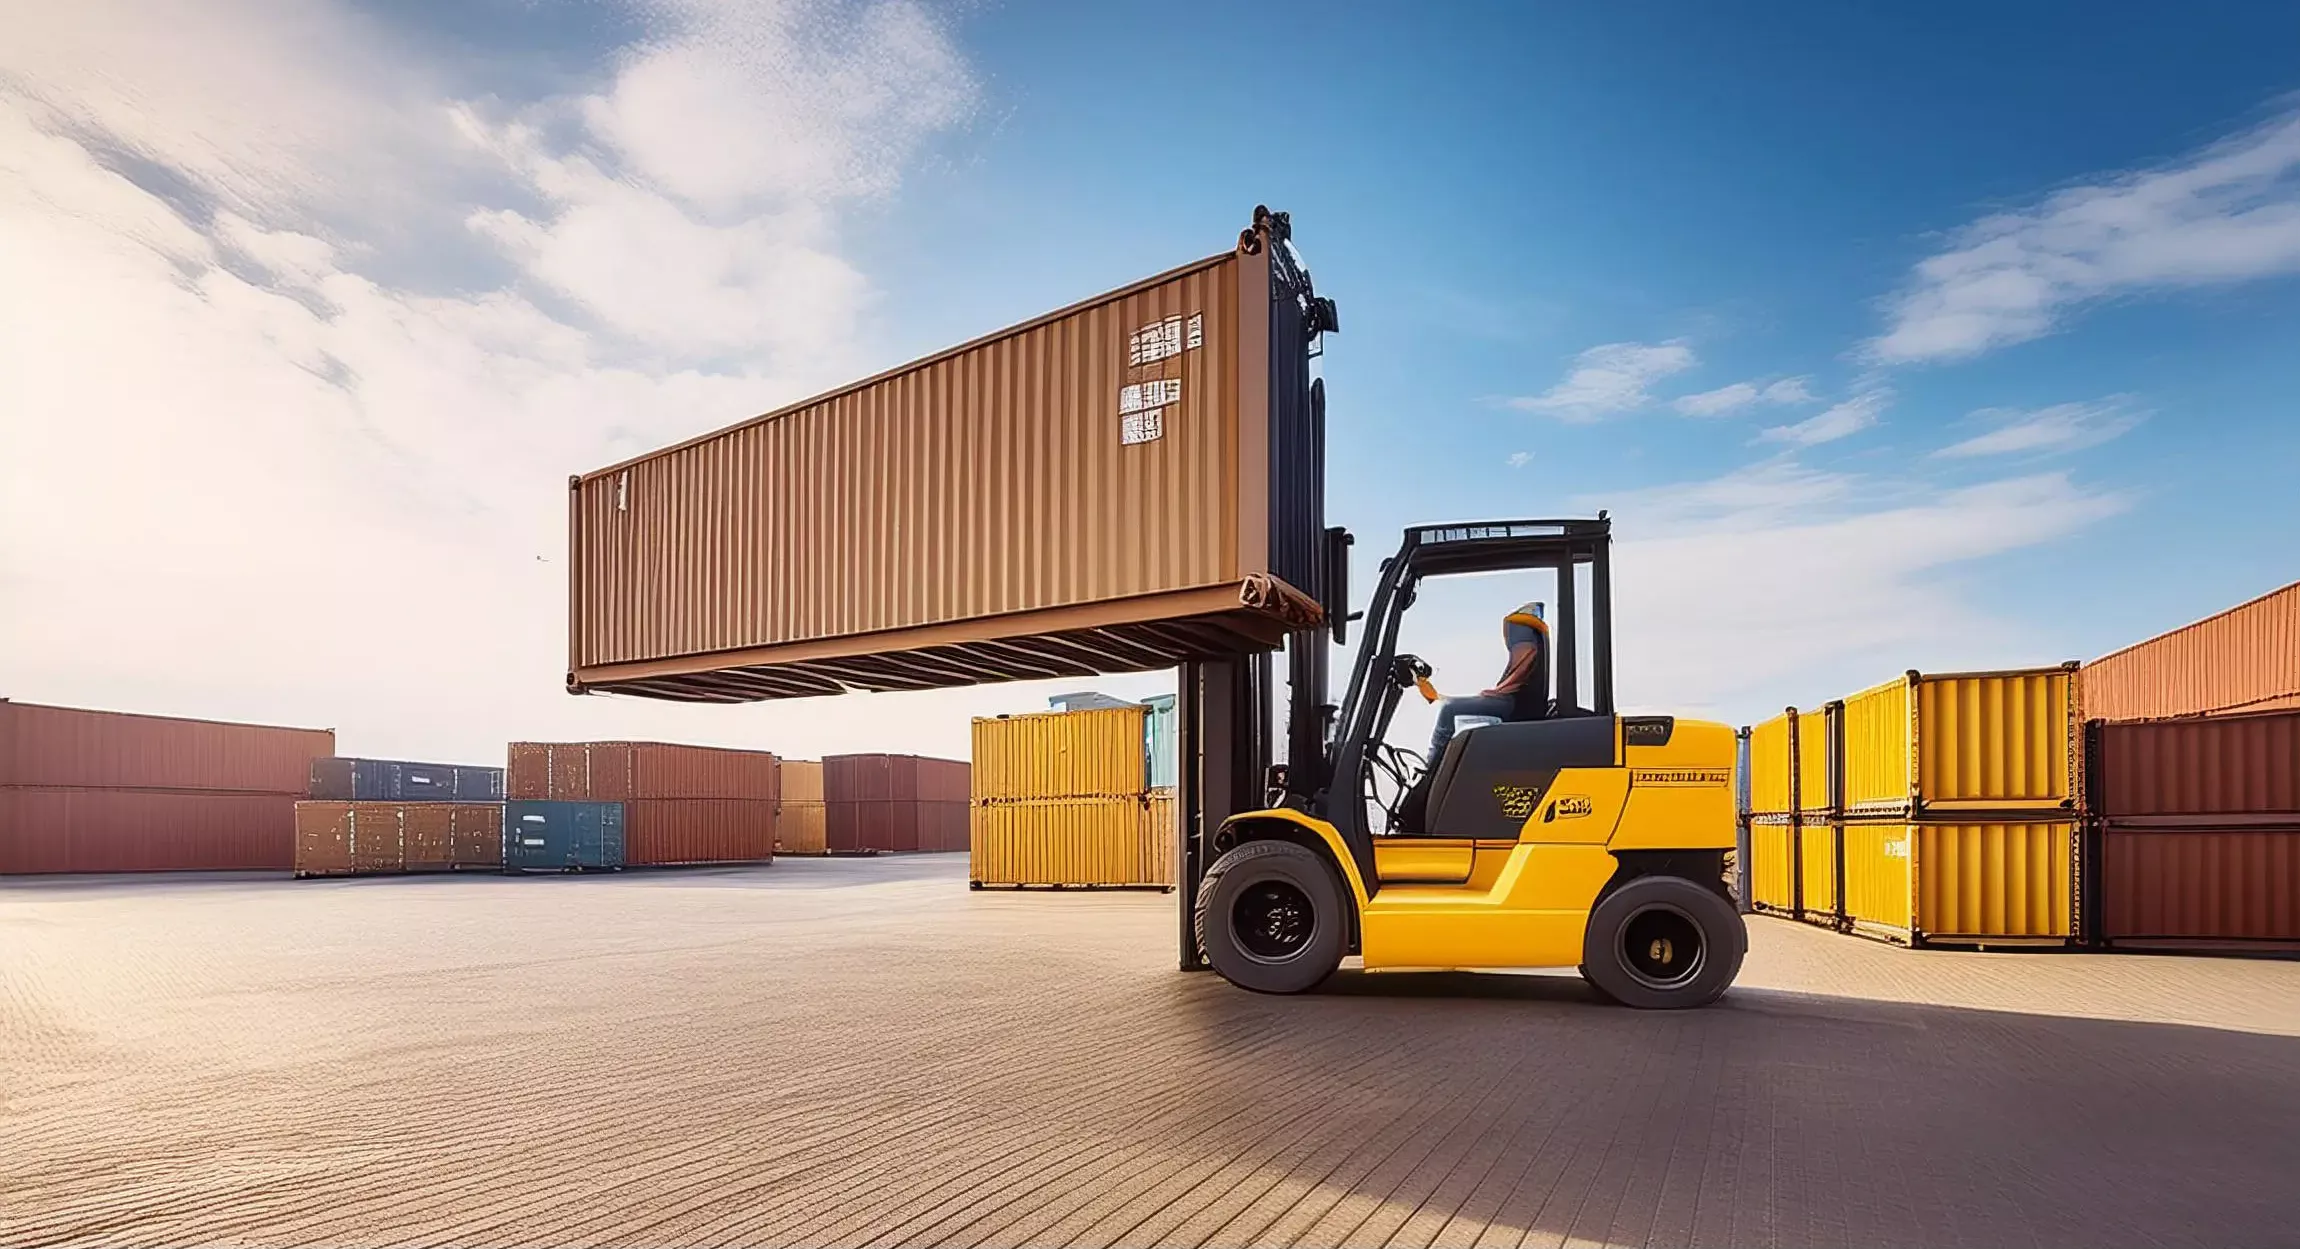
[1891, 338]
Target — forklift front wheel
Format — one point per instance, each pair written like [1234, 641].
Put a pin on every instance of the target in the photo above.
[1663, 943]
[1270, 918]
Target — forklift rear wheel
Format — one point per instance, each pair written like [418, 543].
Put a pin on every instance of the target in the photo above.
[1664, 943]
[1270, 918]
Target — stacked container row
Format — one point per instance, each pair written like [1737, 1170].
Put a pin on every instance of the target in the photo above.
[802, 822]
[1065, 798]
[1933, 808]
[396, 780]
[894, 803]
[366, 838]
[103, 791]
[677, 804]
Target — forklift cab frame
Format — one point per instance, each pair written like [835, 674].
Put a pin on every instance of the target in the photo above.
[1381, 675]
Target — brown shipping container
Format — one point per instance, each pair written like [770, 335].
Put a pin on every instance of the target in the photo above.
[478, 834]
[896, 825]
[2200, 886]
[616, 771]
[801, 780]
[2244, 659]
[427, 836]
[660, 832]
[2247, 765]
[1107, 488]
[62, 829]
[70, 747]
[323, 839]
[802, 828]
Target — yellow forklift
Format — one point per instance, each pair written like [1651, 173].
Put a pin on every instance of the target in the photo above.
[1564, 835]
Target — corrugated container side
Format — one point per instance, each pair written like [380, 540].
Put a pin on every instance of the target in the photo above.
[560, 836]
[2244, 659]
[1773, 866]
[323, 838]
[944, 827]
[56, 829]
[378, 838]
[1817, 872]
[75, 748]
[1060, 754]
[665, 770]
[1070, 841]
[478, 834]
[1816, 753]
[2230, 765]
[478, 784]
[528, 775]
[945, 780]
[570, 771]
[802, 780]
[1880, 896]
[1995, 880]
[1769, 767]
[801, 828]
[2201, 885]
[1998, 741]
[984, 483]
[660, 832]
[1880, 724]
[1162, 820]
[427, 835]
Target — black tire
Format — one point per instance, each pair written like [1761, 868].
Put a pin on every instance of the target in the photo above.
[1595, 987]
[1271, 918]
[1663, 943]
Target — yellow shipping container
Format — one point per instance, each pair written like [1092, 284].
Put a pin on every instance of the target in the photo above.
[802, 780]
[1769, 766]
[1964, 743]
[1073, 841]
[1815, 752]
[1059, 754]
[1772, 867]
[1962, 882]
[802, 827]
[1817, 868]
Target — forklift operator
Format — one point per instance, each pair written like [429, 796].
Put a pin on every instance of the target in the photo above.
[1521, 694]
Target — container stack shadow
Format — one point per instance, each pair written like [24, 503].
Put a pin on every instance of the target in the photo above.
[1070, 799]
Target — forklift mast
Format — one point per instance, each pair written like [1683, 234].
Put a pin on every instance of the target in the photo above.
[1224, 704]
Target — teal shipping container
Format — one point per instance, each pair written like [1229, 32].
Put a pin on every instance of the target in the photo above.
[541, 836]
[1158, 742]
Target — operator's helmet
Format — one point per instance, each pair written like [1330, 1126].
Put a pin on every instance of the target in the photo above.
[1525, 625]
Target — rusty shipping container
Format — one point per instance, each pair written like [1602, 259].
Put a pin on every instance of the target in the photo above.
[665, 832]
[895, 825]
[1099, 753]
[60, 829]
[1111, 487]
[2244, 659]
[76, 748]
[1072, 842]
[478, 835]
[335, 838]
[802, 828]
[801, 780]
[618, 771]
[2200, 887]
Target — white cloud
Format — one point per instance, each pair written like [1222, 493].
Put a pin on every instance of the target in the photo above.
[2228, 214]
[1726, 400]
[1790, 390]
[1607, 379]
[1842, 420]
[250, 469]
[1718, 402]
[1519, 459]
[2061, 427]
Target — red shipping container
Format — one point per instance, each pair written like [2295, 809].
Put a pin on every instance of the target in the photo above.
[70, 747]
[659, 832]
[2245, 765]
[56, 829]
[617, 771]
[2201, 886]
[2244, 659]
